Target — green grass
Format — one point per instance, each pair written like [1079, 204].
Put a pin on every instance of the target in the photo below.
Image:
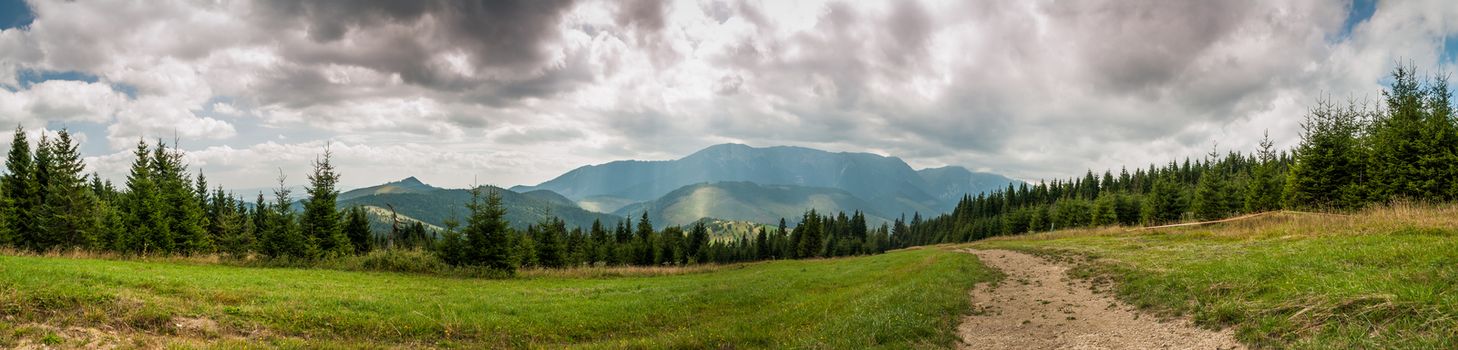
[1384, 278]
[902, 299]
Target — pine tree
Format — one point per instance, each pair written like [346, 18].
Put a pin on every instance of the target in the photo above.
[761, 244]
[1210, 196]
[68, 215]
[321, 220]
[1212, 192]
[1166, 201]
[260, 217]
[810, 236]
[357, 228]
[783, 249]
[1398, 143]
[1439, 167]
[18, 193]
[551, 242]
[1328, 169]
[283, 239]
[451, 248]
[147, 227]
[601, 242]
[183, 214]
[698, 242]
[36, 238]
[489, 239]
[1106, 209]
[1264, 192]
[644, 241]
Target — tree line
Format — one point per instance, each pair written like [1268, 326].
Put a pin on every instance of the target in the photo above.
[1404, 148]
[47, 203]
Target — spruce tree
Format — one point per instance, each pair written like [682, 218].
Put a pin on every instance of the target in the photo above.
[601, 242]
[147, 228]
[357, 228]
[283, 238]
[183, 214]
[1210, 196]
[36, 238]
[1439, 167]
[551, 242]
[68, 215]
[18, 193]
[1397, 142]
[644, 242]
[1106, 209]
[489, 239]
[698, 242]
[1329, 166]
[1166, 201]
[321, 220]
[1264, 192]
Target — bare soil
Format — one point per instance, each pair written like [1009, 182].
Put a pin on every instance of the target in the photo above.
[1037, 306]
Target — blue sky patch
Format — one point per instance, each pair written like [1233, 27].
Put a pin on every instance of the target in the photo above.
[15, 14]
[1361, 10]
[28, 77]
[1450, 50]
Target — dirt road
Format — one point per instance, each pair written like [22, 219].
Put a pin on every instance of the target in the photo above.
[1039, 307]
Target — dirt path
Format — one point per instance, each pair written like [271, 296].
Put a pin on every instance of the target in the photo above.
[1039, 307]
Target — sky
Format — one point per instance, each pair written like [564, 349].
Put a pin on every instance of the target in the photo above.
[517, 92]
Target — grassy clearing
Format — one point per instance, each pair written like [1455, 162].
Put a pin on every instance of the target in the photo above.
[909, 298]
[1383, 278]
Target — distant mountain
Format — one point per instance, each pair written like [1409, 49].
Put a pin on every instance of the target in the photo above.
[434, 206]
[886, 185]
[407, 185]
[886, 181]
[950, 183]
[747, 201]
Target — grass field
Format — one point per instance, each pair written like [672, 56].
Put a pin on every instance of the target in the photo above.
[909, 298]
[1382, 278]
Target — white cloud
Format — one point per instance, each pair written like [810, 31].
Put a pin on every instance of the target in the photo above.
[61, 101]
[1033, 89]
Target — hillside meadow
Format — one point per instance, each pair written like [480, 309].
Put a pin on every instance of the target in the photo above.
[903, 299]
[1381, 278]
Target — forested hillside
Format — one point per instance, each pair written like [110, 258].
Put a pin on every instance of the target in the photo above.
[1404, 148]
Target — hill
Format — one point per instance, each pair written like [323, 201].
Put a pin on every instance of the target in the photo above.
[407, 185]
[433, 206]
[746, 201]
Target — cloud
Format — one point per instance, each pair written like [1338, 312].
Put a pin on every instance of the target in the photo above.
[520, 91]
[60, 100]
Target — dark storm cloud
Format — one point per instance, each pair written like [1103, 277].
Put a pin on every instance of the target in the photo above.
[643, 14]
[505, 42]
[909, 25]
[1146, 44]
[495, 32]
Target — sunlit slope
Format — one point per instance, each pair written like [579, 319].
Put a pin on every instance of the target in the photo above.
[746, 201]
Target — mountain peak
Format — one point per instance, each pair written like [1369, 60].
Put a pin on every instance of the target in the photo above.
[409, 181]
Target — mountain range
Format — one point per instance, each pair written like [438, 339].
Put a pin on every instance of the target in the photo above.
[727, 182]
